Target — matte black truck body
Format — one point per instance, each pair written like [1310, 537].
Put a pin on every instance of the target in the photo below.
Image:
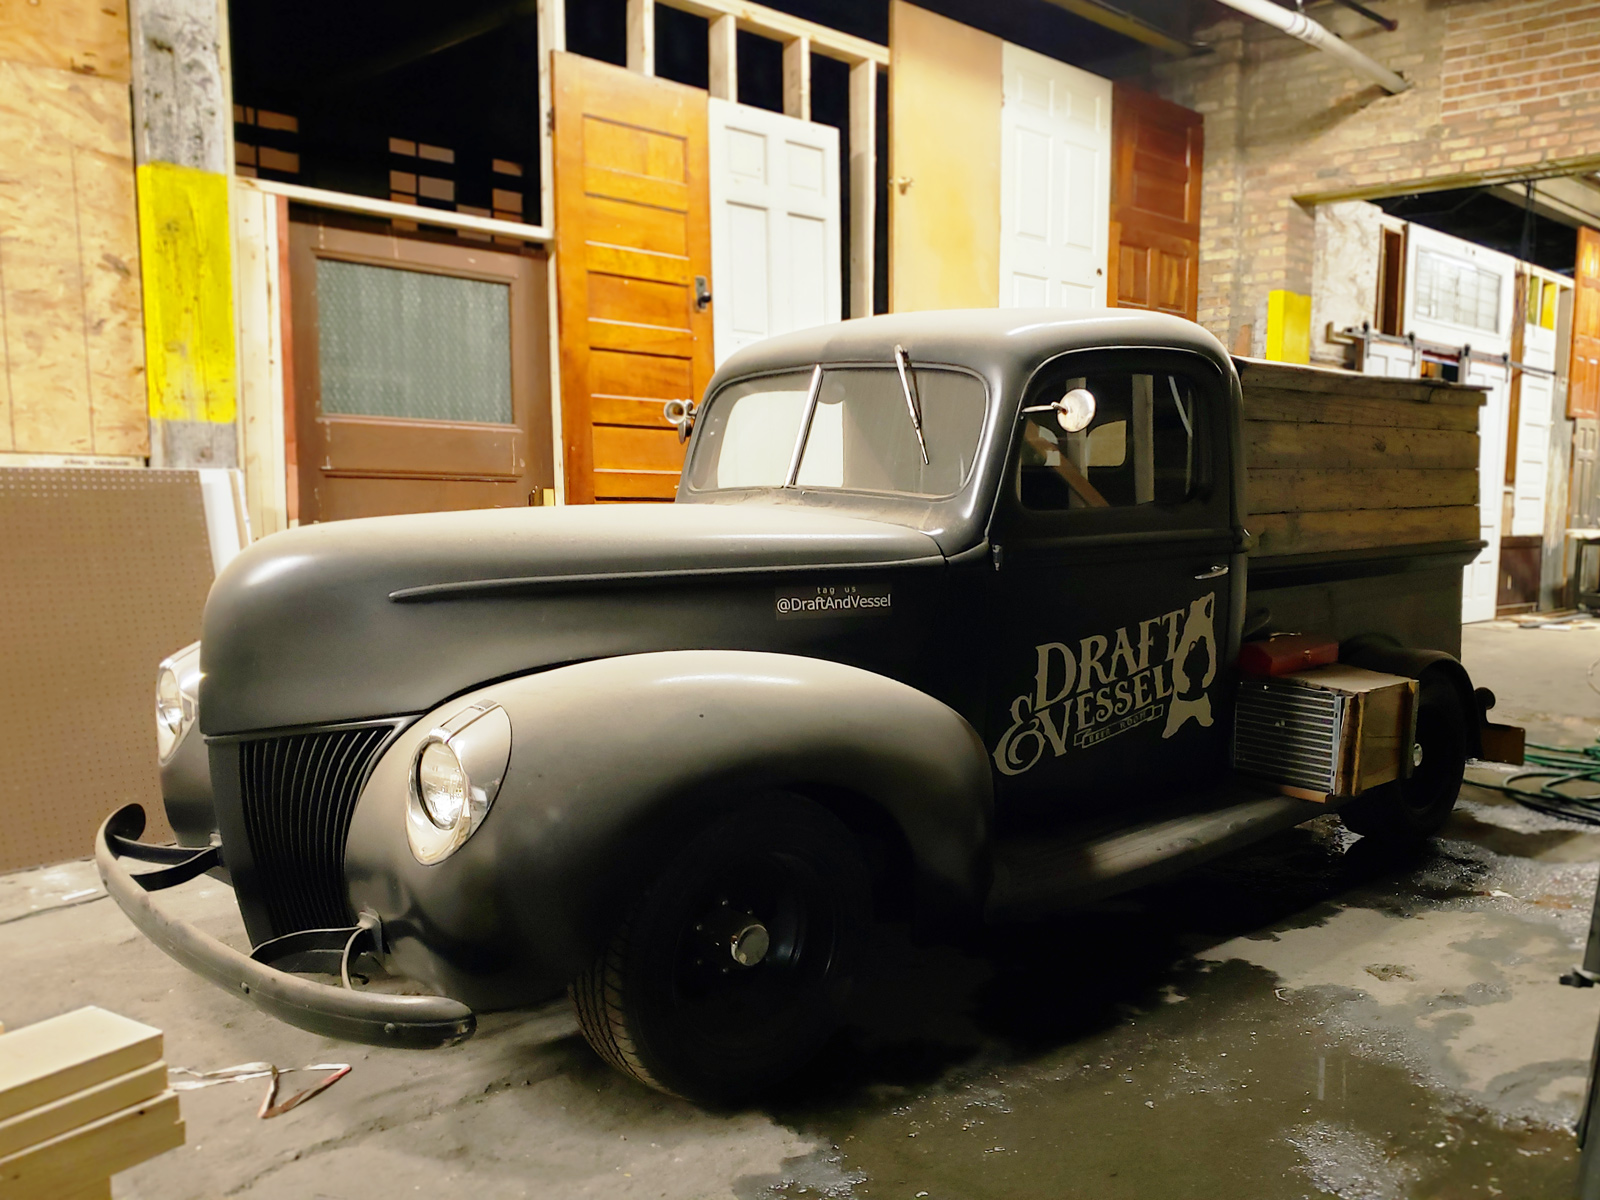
[987, 688]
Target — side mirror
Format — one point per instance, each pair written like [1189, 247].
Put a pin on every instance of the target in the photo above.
[1074, 411]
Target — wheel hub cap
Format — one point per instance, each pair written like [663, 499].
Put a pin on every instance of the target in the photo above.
[750, 944]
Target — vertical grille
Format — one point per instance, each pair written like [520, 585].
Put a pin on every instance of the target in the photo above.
[1288, 733]
[298, 794]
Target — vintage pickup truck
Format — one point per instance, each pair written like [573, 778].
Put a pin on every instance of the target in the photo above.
[945, 625]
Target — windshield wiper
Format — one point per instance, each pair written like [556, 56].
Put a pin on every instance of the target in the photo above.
[901, 363]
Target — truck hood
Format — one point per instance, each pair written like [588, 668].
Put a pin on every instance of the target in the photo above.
[391, 615]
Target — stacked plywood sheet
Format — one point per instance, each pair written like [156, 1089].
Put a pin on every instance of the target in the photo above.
[82, 1096]
[1337, 461]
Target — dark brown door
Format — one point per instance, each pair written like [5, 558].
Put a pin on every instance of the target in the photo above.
[633, 229]
[1156, 149]
[421, 375]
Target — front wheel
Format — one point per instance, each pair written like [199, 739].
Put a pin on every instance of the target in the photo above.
[1414, 808]
[733, 968]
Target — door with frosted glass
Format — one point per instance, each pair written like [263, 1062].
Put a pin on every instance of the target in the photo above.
[420, 373]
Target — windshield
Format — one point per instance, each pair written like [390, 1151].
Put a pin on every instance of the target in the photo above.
[861, 435]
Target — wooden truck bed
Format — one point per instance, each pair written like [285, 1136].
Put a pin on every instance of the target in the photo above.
[1362, 492]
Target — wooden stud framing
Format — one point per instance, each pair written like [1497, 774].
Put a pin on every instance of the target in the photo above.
[797, 78]
[552, 15]
[724, 57]
[642, 36]
[863, 185]
[768, 22]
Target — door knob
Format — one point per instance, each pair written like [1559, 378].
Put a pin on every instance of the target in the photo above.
[1216, 572]
[702, 293]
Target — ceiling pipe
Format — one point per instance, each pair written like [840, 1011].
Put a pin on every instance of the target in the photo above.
[1308, 31]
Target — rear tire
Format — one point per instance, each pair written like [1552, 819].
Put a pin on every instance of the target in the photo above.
[1413, 809]
[668, 1000]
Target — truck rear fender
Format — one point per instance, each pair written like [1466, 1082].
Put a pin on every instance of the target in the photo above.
[1380, 652]
[616, 762]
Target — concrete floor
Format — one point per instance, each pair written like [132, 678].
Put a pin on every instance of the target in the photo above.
[1304, 1019]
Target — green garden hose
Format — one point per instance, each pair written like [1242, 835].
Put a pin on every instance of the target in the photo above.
[1554, 768]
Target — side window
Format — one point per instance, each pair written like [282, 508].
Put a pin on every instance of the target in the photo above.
[1142, 445]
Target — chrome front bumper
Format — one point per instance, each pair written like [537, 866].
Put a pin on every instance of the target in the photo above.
[375, 1018]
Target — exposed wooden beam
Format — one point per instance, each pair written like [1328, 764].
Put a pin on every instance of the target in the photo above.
[768, 22]
[1129, 26]
[863, 185]
[642, 36]
[1563, 199]
[724, 57]
[797, 78]
[1442, 183]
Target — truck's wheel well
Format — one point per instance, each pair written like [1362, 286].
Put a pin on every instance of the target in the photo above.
[882, 841]
[1381, 652]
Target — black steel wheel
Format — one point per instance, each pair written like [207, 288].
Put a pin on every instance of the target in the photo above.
[1415, 808]
[734, 967]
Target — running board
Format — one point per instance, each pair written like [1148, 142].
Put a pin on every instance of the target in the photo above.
[1036, 875]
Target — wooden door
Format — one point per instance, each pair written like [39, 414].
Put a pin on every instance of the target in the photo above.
[1584, 499]
[421, 376]
[1532, 409]
[1463, 294]
[1055, 183]
[775, 224]
[1157, 150]
[633, 225]
[1583, 381]
[945, 101]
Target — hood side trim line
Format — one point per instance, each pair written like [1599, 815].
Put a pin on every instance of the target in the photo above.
[476, 588]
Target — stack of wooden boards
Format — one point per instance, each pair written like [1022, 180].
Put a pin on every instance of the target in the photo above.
[1337, 461]
[82, 1096]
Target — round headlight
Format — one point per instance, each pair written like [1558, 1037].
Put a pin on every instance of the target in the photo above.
[169, 711]
[442, 785]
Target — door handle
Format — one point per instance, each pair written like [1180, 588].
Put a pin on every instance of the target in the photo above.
[702, 293]
[1216, 572]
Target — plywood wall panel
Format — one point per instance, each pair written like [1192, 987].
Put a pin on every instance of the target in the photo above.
[69, 253]
[41, 278]
[945, 87]
[86, 37]
[113, 330]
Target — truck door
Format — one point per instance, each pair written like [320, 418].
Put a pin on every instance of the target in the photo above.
[1113, 631]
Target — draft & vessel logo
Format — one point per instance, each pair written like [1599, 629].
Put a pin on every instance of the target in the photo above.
[1113, 683]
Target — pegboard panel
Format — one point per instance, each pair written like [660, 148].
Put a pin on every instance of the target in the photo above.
[103, 573]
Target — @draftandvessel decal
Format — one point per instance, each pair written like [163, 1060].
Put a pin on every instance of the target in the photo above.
[1157, 670]
[832, 600]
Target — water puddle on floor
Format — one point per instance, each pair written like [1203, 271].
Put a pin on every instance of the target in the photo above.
[1231, 1091]
[1103, 1058]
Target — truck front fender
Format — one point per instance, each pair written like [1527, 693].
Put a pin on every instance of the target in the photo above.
[616, 762]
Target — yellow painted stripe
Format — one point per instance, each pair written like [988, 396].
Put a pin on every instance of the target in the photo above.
[186, 263]
[1288, 327]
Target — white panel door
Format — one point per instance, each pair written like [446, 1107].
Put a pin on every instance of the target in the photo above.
[774, 224]
[1055, 183]
[1461, 294]
[1388, 359]
[1534, 413]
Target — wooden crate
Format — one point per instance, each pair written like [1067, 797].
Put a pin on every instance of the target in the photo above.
[1336, 461]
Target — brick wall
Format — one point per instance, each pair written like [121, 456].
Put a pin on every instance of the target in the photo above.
[1502, 89]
